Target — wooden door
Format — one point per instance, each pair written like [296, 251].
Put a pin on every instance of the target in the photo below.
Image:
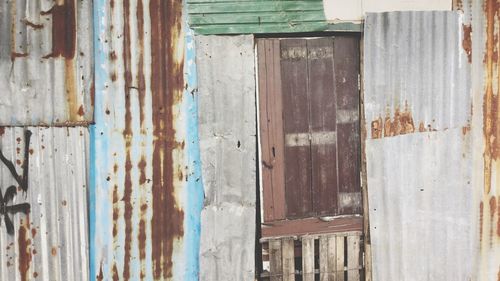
[309, 126]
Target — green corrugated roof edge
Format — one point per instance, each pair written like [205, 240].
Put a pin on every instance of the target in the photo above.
[211, 17]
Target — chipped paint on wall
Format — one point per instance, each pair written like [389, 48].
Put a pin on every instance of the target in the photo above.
[146, 188]
[46, 72]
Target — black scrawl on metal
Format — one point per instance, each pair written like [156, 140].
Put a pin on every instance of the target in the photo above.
[22, 181]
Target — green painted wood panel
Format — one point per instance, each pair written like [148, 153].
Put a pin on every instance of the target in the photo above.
[256, 16]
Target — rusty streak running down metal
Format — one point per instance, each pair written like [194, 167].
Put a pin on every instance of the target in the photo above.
[127, 134]
[166, 87]
[489, 207]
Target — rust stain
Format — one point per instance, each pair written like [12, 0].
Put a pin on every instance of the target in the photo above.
[491, 130]
[33, 233]
[377, 128]
[142, 239]
[498, 220]
[493, 209]
[24, 244]
[166, 85]
[2, 131]
[421, 127]
[14, 55]
[81, 112]
[53, 251]
[92, 93]
[63, 29]
[13, 14]
[100, 276]
[32, 24]
[466, 129]
[142, 170]
[112, 56]
[402, 123]
[64, 45]
[116, 211]
[115, 273]
[481, 220]
[127, 134]
[141, 79]
[35, 274]
[467, 41]
[457, 5]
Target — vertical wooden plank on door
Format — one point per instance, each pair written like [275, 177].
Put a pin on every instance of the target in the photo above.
[275, 260]
[327, 257]
[339, 274]
[307, 258]
[323, 125]
[346, 67]
[287, 246]
[353, 257]
[266, 155]
[276, 115]
[296, 128]
[271, 128]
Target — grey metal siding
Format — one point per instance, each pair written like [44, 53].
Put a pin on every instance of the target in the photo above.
[50, 243]
[227, 123]
[418, 148]
[46, 65]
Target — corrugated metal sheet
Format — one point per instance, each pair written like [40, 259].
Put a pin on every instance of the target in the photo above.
[49, 243]
[146, 192]
[228, 145]
[254, 16]
[484, 48]
[46, 62]
[418, 119]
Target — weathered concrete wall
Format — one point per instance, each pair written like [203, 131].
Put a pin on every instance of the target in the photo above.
[227, 124]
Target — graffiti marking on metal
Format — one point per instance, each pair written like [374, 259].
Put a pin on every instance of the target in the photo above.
[11, 191]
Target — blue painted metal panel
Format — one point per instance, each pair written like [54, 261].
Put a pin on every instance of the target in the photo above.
[146, 189]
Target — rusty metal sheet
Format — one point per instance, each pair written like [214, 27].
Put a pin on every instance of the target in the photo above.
[146, 193]
[43, 206]
[481, 41]
[227, 122]
[417, 104]
[46, 75]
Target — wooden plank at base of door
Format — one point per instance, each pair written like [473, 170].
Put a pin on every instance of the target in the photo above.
[288, 252]
[353, 257]
[308, 258]
[327, 257]
[275, 260]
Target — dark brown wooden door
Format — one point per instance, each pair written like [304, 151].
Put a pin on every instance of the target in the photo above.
[309, 104]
